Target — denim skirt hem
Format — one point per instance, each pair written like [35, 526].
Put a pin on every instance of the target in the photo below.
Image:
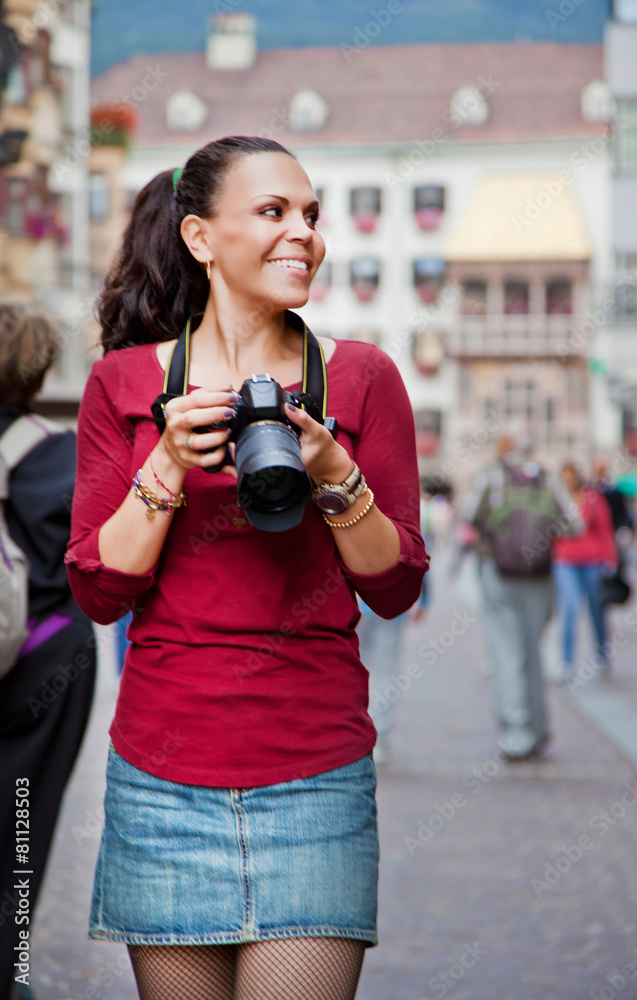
[186, 864]
[230, 937]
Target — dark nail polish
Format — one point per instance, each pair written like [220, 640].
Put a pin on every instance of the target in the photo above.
[228, 413]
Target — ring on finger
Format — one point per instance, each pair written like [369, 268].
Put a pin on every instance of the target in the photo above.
[187, 442]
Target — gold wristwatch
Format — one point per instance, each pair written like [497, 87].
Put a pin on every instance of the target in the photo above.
[334, 498]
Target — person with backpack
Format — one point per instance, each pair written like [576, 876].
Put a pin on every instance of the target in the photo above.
[47, 647]
[249, 480]
[518, 510]
[579, 566]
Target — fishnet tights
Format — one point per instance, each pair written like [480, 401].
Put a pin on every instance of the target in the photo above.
[290, 969]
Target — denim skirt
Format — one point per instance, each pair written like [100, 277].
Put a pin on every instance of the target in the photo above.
[186, 864]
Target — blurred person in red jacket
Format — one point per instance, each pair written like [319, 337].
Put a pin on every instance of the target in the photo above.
[578, 567]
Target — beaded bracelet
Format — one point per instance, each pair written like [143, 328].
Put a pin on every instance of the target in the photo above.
[158, 480]
[155, 502]
[348, 524]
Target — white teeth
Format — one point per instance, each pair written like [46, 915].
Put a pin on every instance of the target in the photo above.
[299, 265]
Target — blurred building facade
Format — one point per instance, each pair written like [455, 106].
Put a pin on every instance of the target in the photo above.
[44, 147]
[466, 207]
[465, 204]
[618, 305]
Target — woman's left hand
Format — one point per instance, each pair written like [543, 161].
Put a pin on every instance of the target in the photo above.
[325, 459]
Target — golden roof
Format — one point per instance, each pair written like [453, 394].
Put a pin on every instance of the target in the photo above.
[521, 217]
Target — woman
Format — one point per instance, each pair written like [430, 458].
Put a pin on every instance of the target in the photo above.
[239, 856]
[45, 697]
[578, 564]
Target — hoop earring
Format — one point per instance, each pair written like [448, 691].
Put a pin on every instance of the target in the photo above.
[208, 270]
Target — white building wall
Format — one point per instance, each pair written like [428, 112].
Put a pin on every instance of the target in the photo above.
[396, 310]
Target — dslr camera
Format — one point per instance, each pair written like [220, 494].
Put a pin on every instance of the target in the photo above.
[273, 483]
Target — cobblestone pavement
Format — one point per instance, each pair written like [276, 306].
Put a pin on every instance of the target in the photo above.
[498, 881]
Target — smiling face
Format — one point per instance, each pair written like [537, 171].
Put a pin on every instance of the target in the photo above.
[262, 238]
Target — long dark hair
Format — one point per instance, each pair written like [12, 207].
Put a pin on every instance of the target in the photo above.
[155, 283]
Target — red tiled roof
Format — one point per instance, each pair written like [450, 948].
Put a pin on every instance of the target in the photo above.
[382, 94]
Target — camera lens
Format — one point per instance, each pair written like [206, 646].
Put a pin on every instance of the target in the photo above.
[274, 486]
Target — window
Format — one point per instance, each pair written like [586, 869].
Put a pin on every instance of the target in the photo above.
[469, 106]
[625, 11]
[365, 204]
[366, 334]
[428, 430]
[16, 207]
[597, 102]
[320, 196]
[365, 278]
[429, 205]
[627, 136]
[16, 89]
[308, 111]
[99, 197]
[625, 291]
[322, 282]
[11, 146]
[185, 112]
[559, 298]
[474, 298]
[429, 273]
[516, 298]
[428, 352]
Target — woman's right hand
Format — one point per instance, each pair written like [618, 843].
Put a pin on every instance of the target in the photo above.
[181, 444]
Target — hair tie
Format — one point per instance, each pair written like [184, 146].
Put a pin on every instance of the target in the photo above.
[177, 176]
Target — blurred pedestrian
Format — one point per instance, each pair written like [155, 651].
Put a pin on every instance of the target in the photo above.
[578, 566]
[239, 857]
[46, 695]
[621, 514]
[621, 511]
[517, 509]
[381, 643]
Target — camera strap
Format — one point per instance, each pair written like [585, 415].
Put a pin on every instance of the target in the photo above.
[314, 379]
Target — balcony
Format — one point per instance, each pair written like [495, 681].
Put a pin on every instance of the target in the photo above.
[619, 303]
[516, 336]
[565, 433]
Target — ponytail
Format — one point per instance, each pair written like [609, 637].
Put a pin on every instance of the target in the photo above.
[155, 283]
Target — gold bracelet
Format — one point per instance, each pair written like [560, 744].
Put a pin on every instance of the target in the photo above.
[153, 501]
[348, 524]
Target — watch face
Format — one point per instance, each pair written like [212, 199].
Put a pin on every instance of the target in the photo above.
[331, 503]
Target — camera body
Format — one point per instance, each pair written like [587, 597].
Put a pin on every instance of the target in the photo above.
[260, 398]
[273, 483]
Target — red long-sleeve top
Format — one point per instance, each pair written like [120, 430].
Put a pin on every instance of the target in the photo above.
[597, 542]
[243, 667]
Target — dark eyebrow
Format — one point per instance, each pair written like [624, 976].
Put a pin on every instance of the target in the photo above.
[279, 197]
